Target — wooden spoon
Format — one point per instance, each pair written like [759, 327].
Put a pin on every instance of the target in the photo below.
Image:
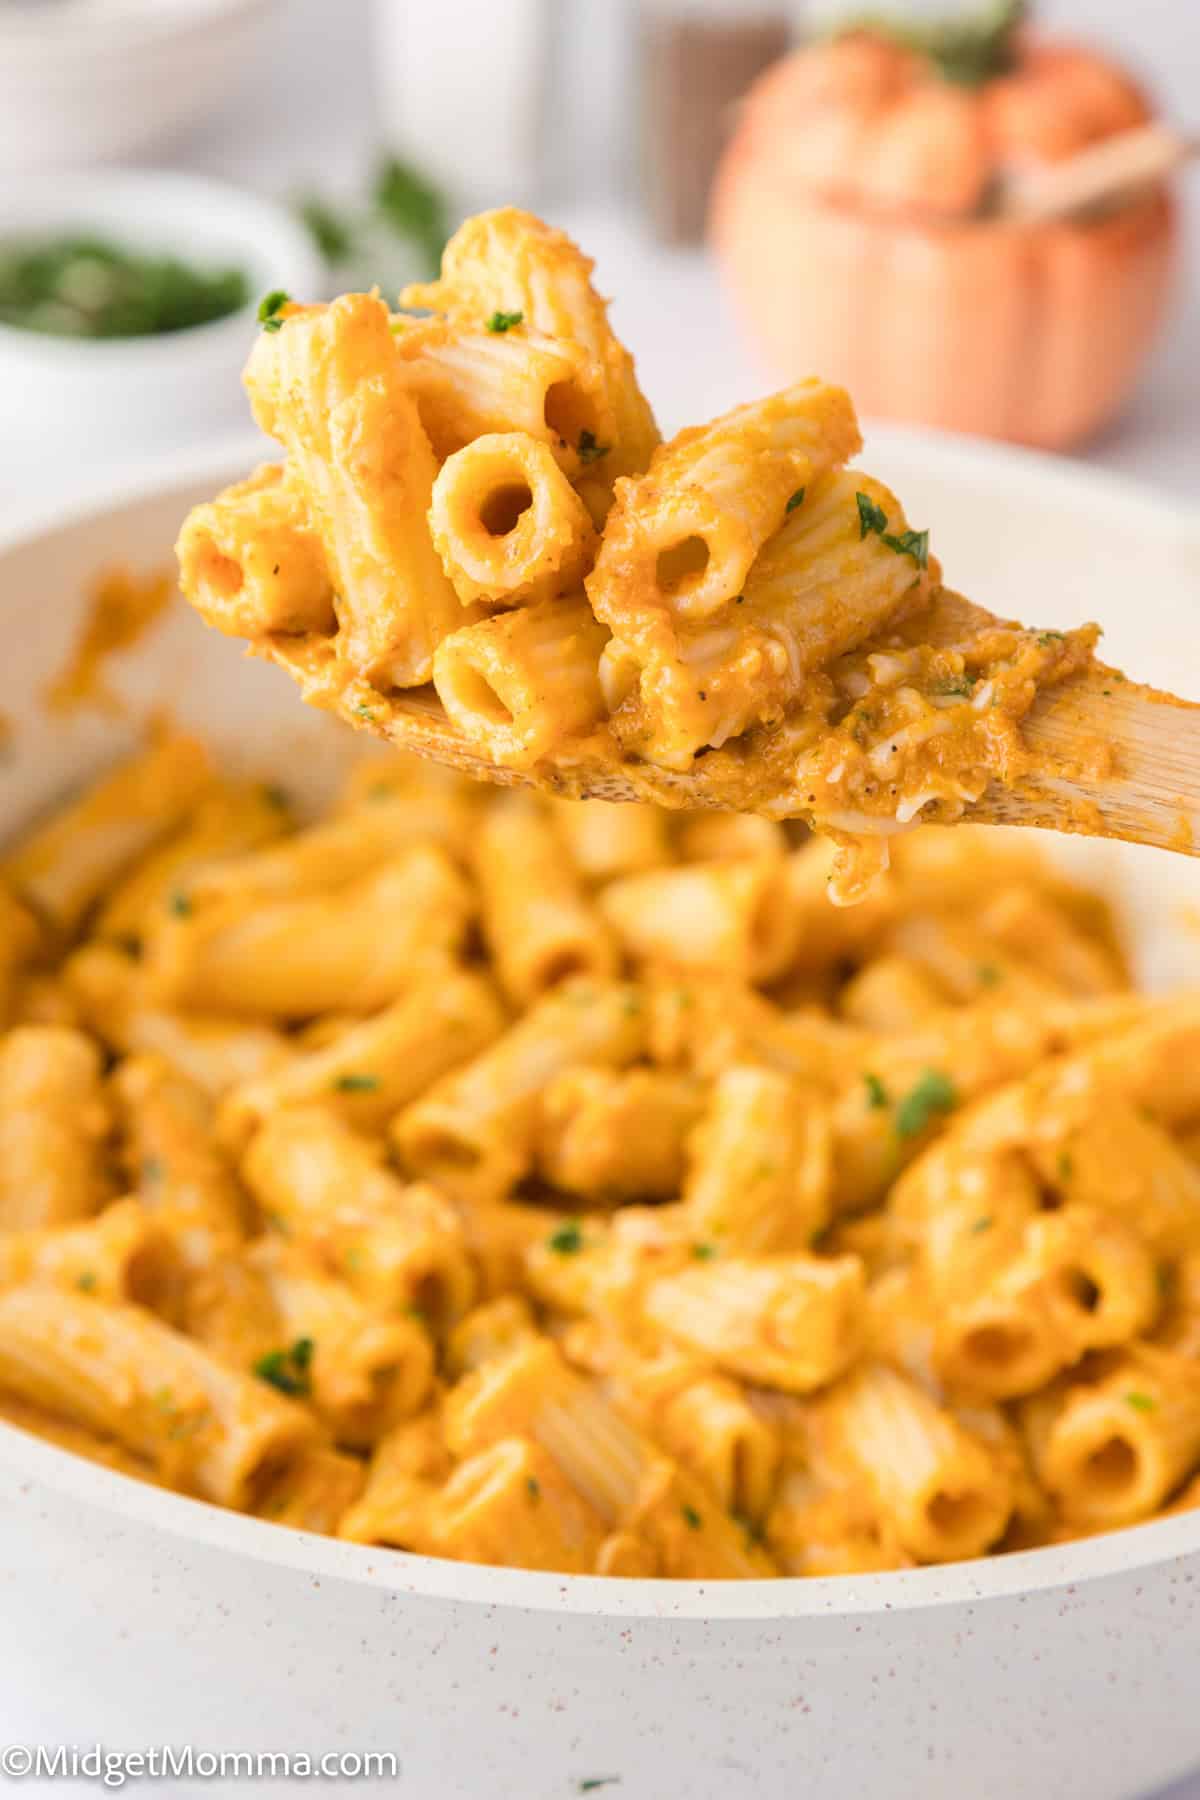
[1112, 758]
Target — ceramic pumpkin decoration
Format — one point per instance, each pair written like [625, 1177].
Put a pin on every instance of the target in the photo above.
[860, 217]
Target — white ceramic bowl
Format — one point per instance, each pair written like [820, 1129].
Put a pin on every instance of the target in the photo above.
[86, 81]
[133, 1617]
[69, 402]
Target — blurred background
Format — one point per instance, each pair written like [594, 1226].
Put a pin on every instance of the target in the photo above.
[877, 219]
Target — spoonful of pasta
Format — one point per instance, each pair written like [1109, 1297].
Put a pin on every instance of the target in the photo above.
[478, 548]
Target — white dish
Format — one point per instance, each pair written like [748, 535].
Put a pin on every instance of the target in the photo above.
[70, 402]
[86, 81]
[135, 1617]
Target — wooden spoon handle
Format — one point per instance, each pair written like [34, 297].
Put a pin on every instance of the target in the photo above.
[1103, 172]
[1129, 758]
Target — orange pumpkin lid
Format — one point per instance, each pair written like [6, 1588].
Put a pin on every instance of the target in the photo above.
[930, 118]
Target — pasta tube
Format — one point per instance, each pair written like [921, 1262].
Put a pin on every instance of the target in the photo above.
[365, 1372]
[525, 681]
[208, 1050]
[539, 926]
[606, 838]
[314, 1491]
[511, 1506]
[531, 1392]
[936, 1484]
[728, 916]
[330, 388]
[250, 562]
[319, 1183]
[171, 1159]
[683, 538]
[1112, 1450]
[611, 1136]
[507, 523]
[484, 1115]
[362, 945]
[373, 1068]
[63, 865]
[760, 1176]
[121, 1254]
[819, 588]
[468, 382]
[118, 1371]
[790, 1322]
[509, 261]
[53, 1125]
[408, 1467]
[229, 821]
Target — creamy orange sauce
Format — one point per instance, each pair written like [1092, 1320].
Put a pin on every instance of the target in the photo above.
[121, 607]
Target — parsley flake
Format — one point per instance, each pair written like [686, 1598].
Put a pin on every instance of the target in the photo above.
[1046, 638]
[534, 1487]
[703, 1252]
[501, 322]
[276, 796]
[1143, 1403]
[907, 543]
[86, 1282]
[691, 1518]
[270, 309]
[1066, 1165]
[567, 1240]
[356, 1084]
[871, 516]
[982, 1225]
[591, 1782]
[877, 1097]
[589, 450]
[987, 974]
[287, 1369]
[180, 905]
[795, 500]
[934, 1093]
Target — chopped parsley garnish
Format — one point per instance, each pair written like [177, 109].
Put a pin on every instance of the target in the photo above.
[591, 1782]
[691, 1518]
[180, 905]
[877, 1097]
[957, 684]
[1142, 1403]
[332, 234]
[412, 207]
[795, 500]
[364, 712]
[287, 1369]
[567, 1240]
[871, 516]
[76, 284]
[982, 1225]
[909, 543]
[934, 1093]
[276, 796]
[356, 1084]
[129, 943]
[534, 1487]
[86, 1282]
[1066, 1165]
[501, 322]
[413, 1311]
[589, 450]
[988, 974]
[153, 1168]
[1049, 637]
[270, 309]
[703, 1252]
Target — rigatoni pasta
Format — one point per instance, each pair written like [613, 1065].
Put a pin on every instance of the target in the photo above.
[576, 1190]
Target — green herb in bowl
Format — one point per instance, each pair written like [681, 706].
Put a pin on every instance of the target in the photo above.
[89, 287]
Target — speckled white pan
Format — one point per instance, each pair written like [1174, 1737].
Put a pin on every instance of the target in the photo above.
[134, 1617]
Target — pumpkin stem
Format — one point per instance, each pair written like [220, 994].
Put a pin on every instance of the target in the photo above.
[968, 52]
